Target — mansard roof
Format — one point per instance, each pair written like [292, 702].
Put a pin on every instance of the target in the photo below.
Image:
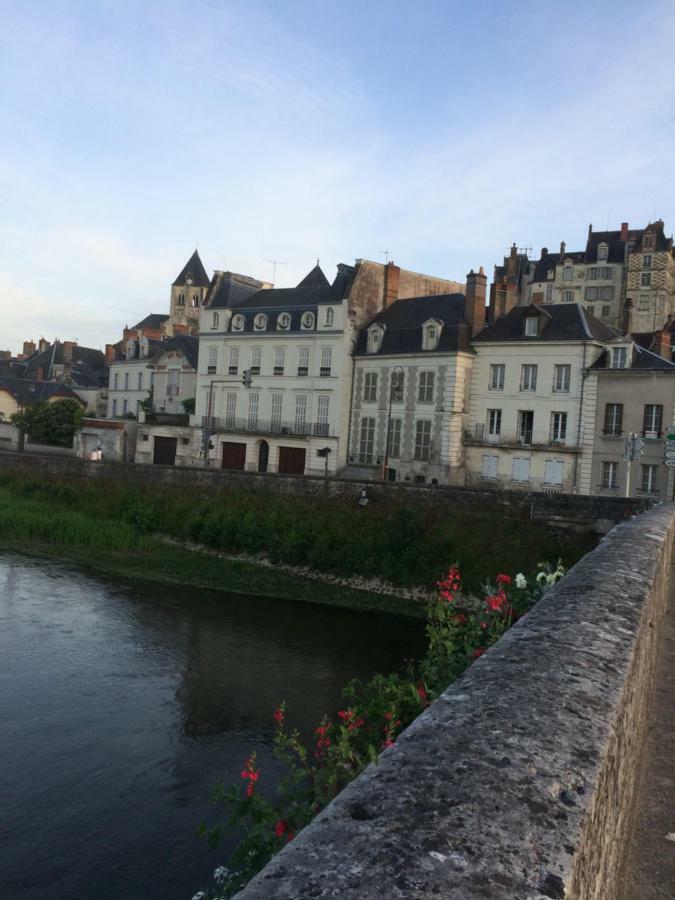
[188, 345]
[567, 322]
[228, 289]
[404, 321]
[195, 270]
[312, 291]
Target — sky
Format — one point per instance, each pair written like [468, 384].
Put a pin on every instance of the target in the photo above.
[441, 132]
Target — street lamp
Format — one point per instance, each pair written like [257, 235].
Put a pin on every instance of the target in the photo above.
[397, 382]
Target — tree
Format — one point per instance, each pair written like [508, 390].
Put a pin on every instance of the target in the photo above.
[188, 405]
[51, 423]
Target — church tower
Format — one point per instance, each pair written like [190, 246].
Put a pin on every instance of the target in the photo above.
[187, 297]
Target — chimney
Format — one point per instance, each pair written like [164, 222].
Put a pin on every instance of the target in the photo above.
[28, 348]
[109, 353]
[42, 344]
[624, 231]
[68, 347]
[562, 248]
[661, 344]
[392, 277]
[544, 252]
[39, 374]
[590, 231]
[474, 305]
[512, 264]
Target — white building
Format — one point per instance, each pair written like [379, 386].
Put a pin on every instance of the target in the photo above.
[524, 428]
[130, 377]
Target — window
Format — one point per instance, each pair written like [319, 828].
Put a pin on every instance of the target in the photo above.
[652, 420]
[215, 319]
[326, 356]
[603, 251]
[520, 468]
[233, 368]
[568, 296]
[605, 311]
[528, 378]
[608, 474]
[496, 382]
[549, 293]
[126, 381]
[494, 422]
[490, 466]
[230, 410]
[283, 321]
[301, 413]
[394, 444]
[277, 405]
[644, 304]
[195, 300]
[374, 338]
[260, 322]
[430, 335]
[279, 355]
[114, 408]
[253, 411]
[256, 355]
[181, 299]
[648, 476]
[645, 279]
[568, 273]
[423, 439]
[330, 316]
[561, 378]
[397, 383]
[173, 382]
[125, 407]
[238, 322]
[599, 292]
[619, 356]
[532, 326]
[307, 321]
[116, 381]
[370, 387]
[303, 361]
[613, 418]
[648, 241]
[212, 366]
[558, 427]
[140, 381]
[425, 391]
[647, 261]
[321, 426]
[553, 472]
[367, 441]
[600, 273]
[525, 426]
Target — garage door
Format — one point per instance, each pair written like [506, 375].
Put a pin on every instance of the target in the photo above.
[164, 451]
[292, 460]
[234, 455]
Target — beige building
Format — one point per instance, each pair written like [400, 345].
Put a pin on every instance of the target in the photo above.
[187, 298]
[650, 289]
[629, 390]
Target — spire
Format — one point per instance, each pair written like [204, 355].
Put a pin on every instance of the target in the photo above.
[314, 279]
[194, 270]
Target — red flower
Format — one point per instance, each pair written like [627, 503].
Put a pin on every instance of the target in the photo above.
[250, 774]
[503, 579]
[278, 716]
[422, 694]
[281, 828]
[250, 789]
[496, 601]
[479, 651]
[387, 742]
[460, 619]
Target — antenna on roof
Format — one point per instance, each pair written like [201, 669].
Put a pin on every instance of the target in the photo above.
[386, 255]
[274, 263]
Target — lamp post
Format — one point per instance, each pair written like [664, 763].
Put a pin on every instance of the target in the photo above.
[399, 371]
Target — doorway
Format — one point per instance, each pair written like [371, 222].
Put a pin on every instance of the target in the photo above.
[263, 456]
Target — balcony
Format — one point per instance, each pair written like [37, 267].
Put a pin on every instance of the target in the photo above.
[532, 439]
[267, 426]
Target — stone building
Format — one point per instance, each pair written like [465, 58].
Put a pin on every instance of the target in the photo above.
[412, 365]
[187, 297]
[650, 290]
[526, 394]
[83, 369]
[296, 343]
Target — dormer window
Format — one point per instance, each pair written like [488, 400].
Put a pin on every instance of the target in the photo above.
[260, 322]
[307, 321]
[330, 315]
[531, 326]
[550, 274]
[238, 322]
[619, 357]
[130, 350]
[283, 321]
[431, 332]
[648, 242]
[143, 346]
[568, 273]
[375, 333]
[603, 251]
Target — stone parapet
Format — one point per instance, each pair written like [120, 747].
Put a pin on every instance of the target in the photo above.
[518, 781]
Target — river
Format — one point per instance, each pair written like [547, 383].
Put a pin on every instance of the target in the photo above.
[122, 704]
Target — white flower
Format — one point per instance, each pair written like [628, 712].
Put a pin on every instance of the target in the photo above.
[220, 875]
[541, 577]
[199, 895]
[552, 578]
[521, 580]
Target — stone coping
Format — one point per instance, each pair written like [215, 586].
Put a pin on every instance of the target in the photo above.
[518, 781]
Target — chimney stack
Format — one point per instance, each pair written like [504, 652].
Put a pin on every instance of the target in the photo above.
[68, 347]
[624, 231]
[42, 344]
[28, 348]
[544, 252]
[392, 277]
[109, 353]
[474, 306]
[662, 343]
[562, 248]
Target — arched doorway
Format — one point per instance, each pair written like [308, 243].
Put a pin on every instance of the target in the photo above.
[263, 456]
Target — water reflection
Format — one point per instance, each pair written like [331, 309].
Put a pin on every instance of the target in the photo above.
[120, 706]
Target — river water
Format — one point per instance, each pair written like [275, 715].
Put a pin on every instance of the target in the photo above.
[121, 705]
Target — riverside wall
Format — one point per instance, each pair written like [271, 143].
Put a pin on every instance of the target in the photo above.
[518, 782]
[557, 510]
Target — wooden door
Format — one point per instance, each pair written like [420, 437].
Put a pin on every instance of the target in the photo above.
[234, 455]
[164, 451]
[292, 460]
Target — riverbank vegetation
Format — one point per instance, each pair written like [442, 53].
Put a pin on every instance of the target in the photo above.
[387, 540]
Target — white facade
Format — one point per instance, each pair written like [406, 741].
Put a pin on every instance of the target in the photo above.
[174, 380]
[129, 384]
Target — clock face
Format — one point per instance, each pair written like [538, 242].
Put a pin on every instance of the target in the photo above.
[189, 281]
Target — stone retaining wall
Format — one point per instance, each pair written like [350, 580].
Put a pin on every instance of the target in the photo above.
[562, 511]
[518, 781]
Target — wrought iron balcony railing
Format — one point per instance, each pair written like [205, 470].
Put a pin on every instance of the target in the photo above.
[267, 426]
[523, 437]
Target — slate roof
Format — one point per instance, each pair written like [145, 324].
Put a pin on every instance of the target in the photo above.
[641, 359]
[87, 363]
[194, 269]
[228, 289]
[315, 278]
[565, 322]
[403, 322]
[188, 344]
[26, 391]
[617, 248]
[154, 320]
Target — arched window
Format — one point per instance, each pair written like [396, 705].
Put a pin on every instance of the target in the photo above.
[238, 322]
[181, 299]
[307, 320]
[260, 322]
[283, 321]
[195, 300]
[330, 316]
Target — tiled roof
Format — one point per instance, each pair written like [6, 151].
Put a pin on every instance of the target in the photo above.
[195, 270]
[154, 320]
[403, 321]
[565, 322]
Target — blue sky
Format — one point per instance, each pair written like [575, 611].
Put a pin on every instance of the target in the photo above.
[440, 131]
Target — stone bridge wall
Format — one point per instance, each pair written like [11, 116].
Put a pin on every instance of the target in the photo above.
[558, 510]
[516, 784]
